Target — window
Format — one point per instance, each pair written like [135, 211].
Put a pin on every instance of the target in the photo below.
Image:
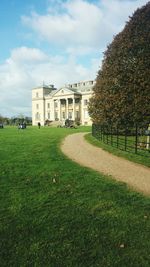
[70, 115]
[85, 102]
[48, 105]
[63, 115]
[77, 114]
[48, 115]
[63, 102]
[37, 106]
[37, 94]
[86, 114]
[56, 116]
[77, 100]
[56, 104]
[37, 116]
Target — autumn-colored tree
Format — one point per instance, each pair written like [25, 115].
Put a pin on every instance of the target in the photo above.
[122, 90]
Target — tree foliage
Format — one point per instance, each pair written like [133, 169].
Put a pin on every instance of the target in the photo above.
[122, 90]
[15, 120]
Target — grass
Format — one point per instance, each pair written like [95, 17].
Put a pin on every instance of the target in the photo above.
[141, 158]
[82, 219]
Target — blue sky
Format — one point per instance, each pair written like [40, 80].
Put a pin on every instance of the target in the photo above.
[54, 41]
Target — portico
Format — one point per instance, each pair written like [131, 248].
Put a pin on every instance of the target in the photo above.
[67, 107]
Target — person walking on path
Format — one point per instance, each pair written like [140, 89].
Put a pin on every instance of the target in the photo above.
[39, 125]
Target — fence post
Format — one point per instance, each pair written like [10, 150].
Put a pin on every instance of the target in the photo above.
[125, 141]
[117, 137]
[111, 136]
[136, 138]
[103, 134]
[92, 130]
[107, 133]
[148, 139]
[99, 132]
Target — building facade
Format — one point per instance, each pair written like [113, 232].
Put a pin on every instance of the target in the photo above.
[57, 105]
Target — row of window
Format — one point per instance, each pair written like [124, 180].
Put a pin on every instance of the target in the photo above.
[77, 115]
[63, 115]
[79, 84]
[56, 104]
[37, 105]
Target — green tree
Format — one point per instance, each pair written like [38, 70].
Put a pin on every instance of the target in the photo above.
[122, 90]
[4, 120]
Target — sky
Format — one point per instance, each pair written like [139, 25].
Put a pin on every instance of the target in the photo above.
[54, 42]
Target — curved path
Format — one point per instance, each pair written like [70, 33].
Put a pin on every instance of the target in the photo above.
[78, 149]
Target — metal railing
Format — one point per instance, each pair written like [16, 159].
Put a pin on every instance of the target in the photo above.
[135, 139]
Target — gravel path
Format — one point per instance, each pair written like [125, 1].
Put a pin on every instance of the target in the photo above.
[78, 149]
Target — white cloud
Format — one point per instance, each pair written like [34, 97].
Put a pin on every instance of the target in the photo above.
[117, 12]
[81, 24]
[18, 75]
[78, 25]
[27, 54]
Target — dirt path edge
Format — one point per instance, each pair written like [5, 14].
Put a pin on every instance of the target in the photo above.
[79, 150]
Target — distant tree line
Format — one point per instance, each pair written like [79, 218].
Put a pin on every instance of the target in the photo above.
[15, 120]
[122, 89]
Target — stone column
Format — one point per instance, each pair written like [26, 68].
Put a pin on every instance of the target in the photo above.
[66, 108]
[59, 110]
[73, 111]
[54, 109]
[80, 109]
[82, 112]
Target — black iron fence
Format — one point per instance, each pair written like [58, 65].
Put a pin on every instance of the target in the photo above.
[135, 139]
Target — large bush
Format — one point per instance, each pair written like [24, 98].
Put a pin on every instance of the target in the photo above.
[122, 90]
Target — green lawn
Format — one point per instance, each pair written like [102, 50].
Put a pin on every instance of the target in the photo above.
[84, 219]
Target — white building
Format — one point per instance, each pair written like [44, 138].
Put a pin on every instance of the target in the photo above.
[68, 102]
